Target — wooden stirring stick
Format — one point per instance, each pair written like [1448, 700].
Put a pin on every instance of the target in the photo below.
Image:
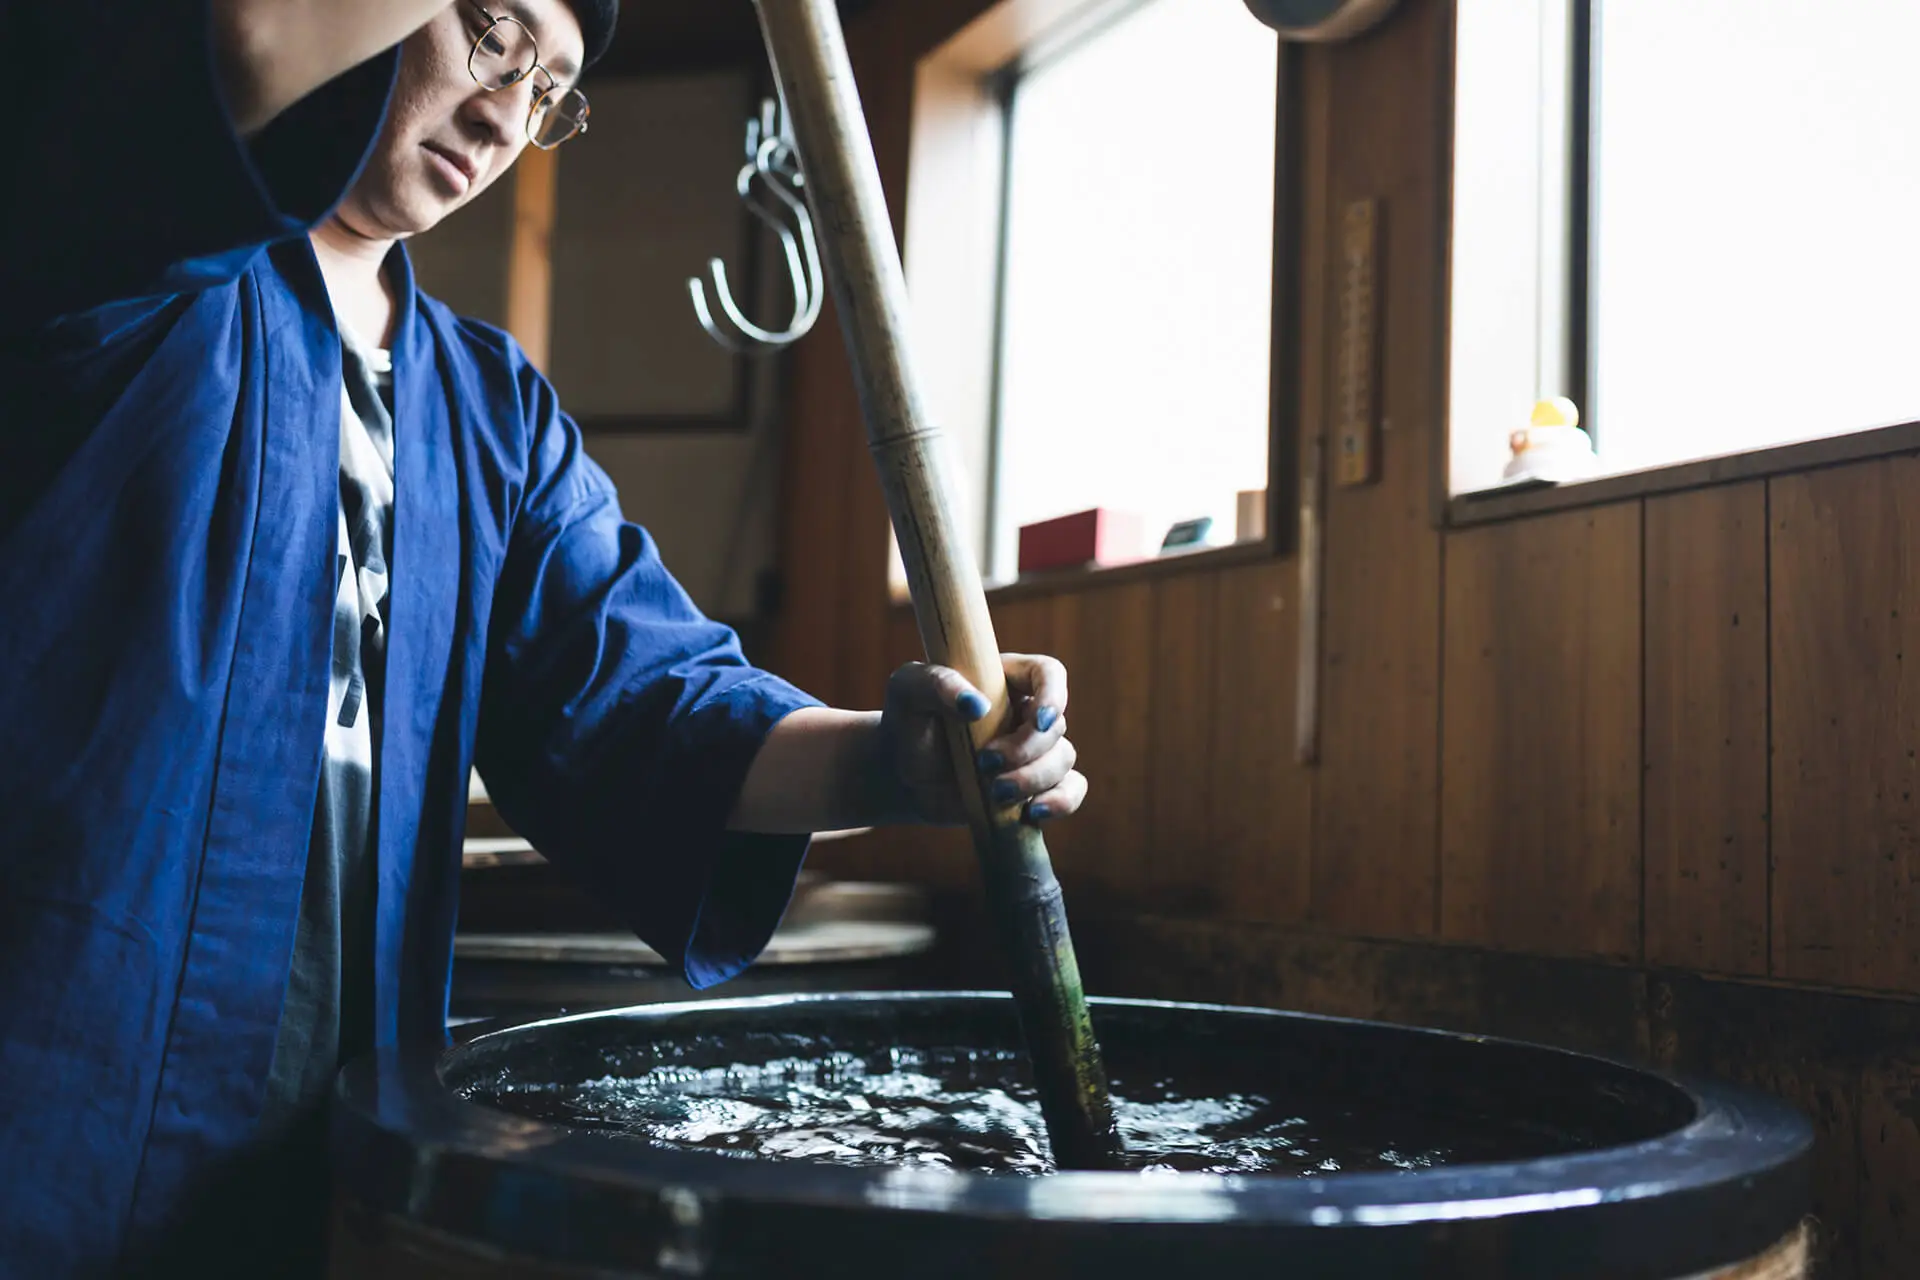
[863, 270]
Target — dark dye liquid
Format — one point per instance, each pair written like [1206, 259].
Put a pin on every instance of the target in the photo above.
[974, 1110]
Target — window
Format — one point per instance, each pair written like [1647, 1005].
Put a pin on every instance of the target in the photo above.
[1694, 220]
[1090, 255]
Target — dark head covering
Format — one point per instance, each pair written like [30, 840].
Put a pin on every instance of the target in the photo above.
[596, 24]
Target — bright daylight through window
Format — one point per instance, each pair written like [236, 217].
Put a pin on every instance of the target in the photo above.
[1131, 232]
[1703, 235]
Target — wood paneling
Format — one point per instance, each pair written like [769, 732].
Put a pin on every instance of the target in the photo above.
[1807, 1048]
[1025, 626]
[1706, 729]
[903, 638]
[833, 635]
[1540, 815]
[1848, 1063]
[1313, 69]
[1260, 814]
[1504, 804]
[883, 63]
[1846, 725]
[530, 264]
[1578, 1004]
[1106, 639]
[1374, 809]
[823, 425]
[1889, 1148]
[1180, 867]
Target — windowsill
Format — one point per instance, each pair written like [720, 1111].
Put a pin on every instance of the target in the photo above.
[1491, 505]
[1092, 577]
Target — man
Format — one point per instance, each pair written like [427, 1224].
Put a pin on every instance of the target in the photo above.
[286, 548]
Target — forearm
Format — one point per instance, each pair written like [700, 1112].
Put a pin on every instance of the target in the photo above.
[820, 769]
[272, 53]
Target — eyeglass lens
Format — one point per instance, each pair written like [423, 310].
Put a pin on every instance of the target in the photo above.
[503, 56]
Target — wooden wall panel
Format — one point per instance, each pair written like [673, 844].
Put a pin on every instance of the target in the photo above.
[903, 638]
[1025, 626]
[1577, 1004]
[1313, 133]
[1889, 1149]
[807, 631]
[1261, 807]
[1540, 810]
[1520, 819]
[1848, 1063]
[1374, 810]
[1180, 869]
[1846, 725]
[830, 609]
[881, 47]
[1106, 639]
[1706, 729]
[1807, 1048]
[834, 631]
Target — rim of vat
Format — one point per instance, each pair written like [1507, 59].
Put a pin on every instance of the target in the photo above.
[1720, 1188]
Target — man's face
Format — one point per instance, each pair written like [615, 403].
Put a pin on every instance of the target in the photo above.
[446, 139]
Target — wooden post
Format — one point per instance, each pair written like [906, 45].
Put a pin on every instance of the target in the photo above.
[862, 262]
[530, 263]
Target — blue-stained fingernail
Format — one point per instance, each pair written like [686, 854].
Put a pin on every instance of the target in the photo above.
[973, 706]
[1005, 792]
[1044, 718]
[1039, 812]
[992, 762]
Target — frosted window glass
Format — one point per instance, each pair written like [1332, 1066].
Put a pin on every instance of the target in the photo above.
[1137, 322]
[1758, 176]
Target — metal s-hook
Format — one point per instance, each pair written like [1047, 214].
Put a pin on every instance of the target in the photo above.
[773, 161]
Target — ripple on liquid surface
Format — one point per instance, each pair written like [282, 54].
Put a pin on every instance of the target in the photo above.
[973, 1110]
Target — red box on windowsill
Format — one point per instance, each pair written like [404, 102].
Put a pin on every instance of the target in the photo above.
[1096, 537]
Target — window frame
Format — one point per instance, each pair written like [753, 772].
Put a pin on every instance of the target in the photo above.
[996, 87]
[1567, 334]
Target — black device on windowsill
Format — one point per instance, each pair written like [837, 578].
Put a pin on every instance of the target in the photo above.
[1188, 533]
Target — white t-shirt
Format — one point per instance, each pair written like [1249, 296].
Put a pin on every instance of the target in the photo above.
[328, 1015]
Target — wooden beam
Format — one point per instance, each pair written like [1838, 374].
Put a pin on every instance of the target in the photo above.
[530, 260]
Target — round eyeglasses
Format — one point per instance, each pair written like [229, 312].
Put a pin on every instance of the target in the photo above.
[504, 55]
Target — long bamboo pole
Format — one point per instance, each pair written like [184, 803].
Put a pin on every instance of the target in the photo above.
[809, 55]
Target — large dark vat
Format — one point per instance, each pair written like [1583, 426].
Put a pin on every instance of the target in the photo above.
[1578, 1167]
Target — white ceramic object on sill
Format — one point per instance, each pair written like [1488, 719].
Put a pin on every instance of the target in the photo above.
[1552, 449]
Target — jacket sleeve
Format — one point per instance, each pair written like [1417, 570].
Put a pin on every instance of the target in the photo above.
[127, 178]
[617, 722]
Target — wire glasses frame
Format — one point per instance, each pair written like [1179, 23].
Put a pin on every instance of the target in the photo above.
[503, 55]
